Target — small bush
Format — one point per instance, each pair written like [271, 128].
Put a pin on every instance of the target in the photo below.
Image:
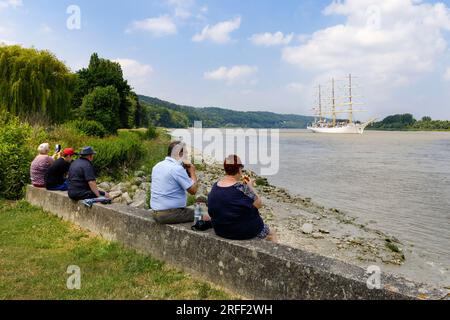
[116, 152]
[262, 182]
[151, 133]
[88, 127]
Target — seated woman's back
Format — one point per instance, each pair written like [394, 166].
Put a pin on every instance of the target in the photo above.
[232, 211]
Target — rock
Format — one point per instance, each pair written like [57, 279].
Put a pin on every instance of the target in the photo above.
[105, 186]
[123, 186]
[138, 204]
[145, 186]
[139, 174]
[134, 188]
[117, 200]
[115, 194]
[126, 198]
[140, 195]
[324, 231]
[307, 228]
[317, 235]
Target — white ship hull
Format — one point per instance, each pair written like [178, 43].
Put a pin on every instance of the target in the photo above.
[348, 129]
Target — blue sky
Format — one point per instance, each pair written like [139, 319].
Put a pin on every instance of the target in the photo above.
[255, 55]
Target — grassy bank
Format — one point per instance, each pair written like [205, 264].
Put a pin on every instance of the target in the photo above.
[36, 248]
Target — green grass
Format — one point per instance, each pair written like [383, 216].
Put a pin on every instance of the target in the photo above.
[36, 248]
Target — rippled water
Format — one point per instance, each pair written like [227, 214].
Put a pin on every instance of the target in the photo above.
[400, 181]
[397, 181]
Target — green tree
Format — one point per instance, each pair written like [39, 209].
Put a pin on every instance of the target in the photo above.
[102, 105]
[103, 73]
[35, 85]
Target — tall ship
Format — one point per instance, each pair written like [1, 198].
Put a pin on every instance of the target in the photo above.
[333, 107]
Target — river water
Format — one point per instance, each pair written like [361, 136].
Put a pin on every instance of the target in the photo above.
[397, 182]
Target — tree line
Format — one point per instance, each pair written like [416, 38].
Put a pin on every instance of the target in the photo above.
[39, 88]
[168, 114]
[408, 122]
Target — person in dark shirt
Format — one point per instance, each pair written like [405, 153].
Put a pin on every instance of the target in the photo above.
[82, 180]
[55, 178]
[233, 206]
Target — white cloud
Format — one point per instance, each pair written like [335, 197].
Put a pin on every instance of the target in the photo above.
[296, 87]
[182, 8]
[447, 75]
[386, 40]
[271, 39]
[219, 33]
[10, 4]
[235, 74]
[133, 68]
[158, 27]
[137, 74]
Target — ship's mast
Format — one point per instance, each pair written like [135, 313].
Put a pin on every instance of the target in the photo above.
[320, 103]
[334, 103]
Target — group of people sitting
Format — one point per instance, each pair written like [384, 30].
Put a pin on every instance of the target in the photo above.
[62, 173]
[233, 203]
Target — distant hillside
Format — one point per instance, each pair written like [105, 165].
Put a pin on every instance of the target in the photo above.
[173, 115]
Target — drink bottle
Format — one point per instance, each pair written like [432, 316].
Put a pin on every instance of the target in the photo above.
[198, 216]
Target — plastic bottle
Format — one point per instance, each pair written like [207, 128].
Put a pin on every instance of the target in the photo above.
[198, 216]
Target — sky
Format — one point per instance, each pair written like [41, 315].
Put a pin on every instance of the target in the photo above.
[254, 55]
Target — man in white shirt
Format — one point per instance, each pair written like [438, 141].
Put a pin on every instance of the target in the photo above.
[171, 179]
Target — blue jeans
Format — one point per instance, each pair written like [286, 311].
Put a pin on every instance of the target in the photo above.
[63, 187]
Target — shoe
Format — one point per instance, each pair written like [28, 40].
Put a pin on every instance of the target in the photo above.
[87, 203]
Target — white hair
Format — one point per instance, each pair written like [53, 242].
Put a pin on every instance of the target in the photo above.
[44, 148]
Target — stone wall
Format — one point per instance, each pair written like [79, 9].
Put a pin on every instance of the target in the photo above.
[254, 269]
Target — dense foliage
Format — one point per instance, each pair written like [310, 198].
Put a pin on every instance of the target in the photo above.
[428, 124]
[87, 127]
[102, 104]
[34, 84]
[15, 156]
[116, 152]
[407, 122]
[39, 88]
[106, 73]
[170, 115]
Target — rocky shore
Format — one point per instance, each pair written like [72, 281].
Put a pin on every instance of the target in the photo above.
[135, 193]
[299, 222]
